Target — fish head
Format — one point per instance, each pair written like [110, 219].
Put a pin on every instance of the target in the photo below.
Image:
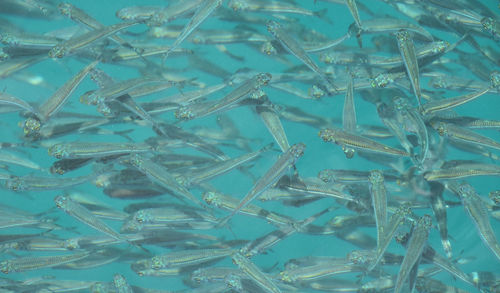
[326, 175]
[233, 281]
[212, 198]
[58, 151]
[440, 127]
[495, 196]
[272, 26]
[362, 257]
[237, 5]
[9, 39]
[157, 263]
[3, 56]
[263, 78]
[268, 48]
[354, 30]
[327, 134]
[32, 127]
[495, 79]
[58, 51]
[376, 177]
[488, 24]
[143, 216]
[71, 243]
[89, 98]
[381, 80]
[348, 152]
[136, 160]
[65, 9]
[184, 113]
[285, 277]
[440, 47]
[119, 281]
[403, 36]
[316, 92]
[402, 238]
[466, 191]
[425, 221]
[61, 201]
[403, 210]
[103, 108]
[131, 226]
[6, 267]
[297, 150]
[15, 183]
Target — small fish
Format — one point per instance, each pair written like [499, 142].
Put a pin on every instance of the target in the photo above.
[462, 171]
[85, 216]
[379, 202]
[80, 16]
[87, 150]
[407, 50]
[160, 175]
[262, 244]
[450, 103]
[198, 110]
[321, 270]
[413, 121]
[390, 229]
[204, 10]
[416, 245]
[25, 183]
[478, 211]
[227, 202]
[439, 209]
[389, 25]
[53, 105]
[203, 174]
[70, 46]
[273, 124]
[347, 140]
[464, 135]
[183, 258]
[22, 264]
[121, 284]
[255, 274]
[294, 48]
[277, 170]
[353, 8]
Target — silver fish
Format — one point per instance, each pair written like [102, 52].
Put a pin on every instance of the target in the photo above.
[477, 210]
[416, 245]
[407, 50]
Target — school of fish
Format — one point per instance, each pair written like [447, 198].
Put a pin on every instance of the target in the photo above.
[250, 146]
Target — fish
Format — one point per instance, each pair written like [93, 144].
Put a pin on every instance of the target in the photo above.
[199, 110]
[407, 50]
[67, 47]
[347, 139]
[390, 229]
[379, 202]
[477, 211]
[204, 10]
[53, 105]
[83, 215]
[33, 263]
[461, 134]
[255, 274]
[275, 172]
[416, 245]
[294, 48]
[273, 124]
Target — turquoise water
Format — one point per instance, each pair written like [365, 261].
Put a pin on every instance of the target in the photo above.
[36, 83]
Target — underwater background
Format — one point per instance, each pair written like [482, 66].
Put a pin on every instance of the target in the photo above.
[205, 65]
